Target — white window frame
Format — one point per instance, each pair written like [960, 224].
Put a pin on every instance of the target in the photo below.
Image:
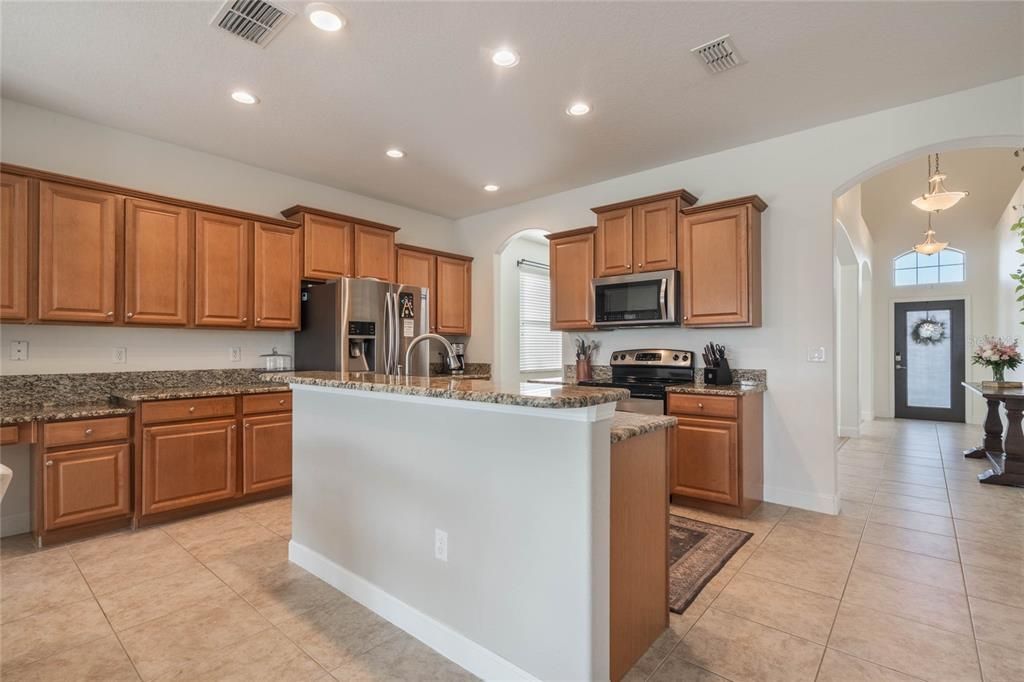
[918, 268]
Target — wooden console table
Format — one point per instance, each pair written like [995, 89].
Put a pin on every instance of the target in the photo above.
[1005, 454]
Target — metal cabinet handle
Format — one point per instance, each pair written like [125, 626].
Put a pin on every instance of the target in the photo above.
[110, 314]
[49, 463]
[192, 408]
[245, 319]
[259, 319]
[700, 405]
[129, 315]
[686, 317]
[248, 426]
[281, 401]
[234, 427]
[88, 432]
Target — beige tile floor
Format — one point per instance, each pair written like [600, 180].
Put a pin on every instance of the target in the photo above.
[920, 577]
[210, 598]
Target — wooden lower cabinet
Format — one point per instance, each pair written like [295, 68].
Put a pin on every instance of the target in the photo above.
[85, 485]
[717, 461]
[266, 452]
[188, 464]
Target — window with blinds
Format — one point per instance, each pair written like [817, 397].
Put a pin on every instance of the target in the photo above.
[540, 348]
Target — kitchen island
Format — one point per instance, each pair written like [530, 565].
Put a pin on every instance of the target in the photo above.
[497, 524]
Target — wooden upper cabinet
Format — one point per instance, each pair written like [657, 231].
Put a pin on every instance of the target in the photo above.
[374, 252]
[86, 485]
[327, 247]
[156, 263]
[614, 243]
[77, 253]
[276, 276]
[720, 258]
[654, 235]
[14, 258]
[639, 235]
[221, 270]
[419, 269]
[454, 282]
[571, 258]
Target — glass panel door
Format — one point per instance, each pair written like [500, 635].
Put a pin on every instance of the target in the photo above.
[929, 360]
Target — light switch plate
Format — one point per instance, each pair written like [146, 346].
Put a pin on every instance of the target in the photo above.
[816, 354]
[19, 350]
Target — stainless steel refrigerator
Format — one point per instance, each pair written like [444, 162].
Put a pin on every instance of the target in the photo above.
[362, 325]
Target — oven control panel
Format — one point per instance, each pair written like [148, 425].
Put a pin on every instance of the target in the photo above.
[658, 357]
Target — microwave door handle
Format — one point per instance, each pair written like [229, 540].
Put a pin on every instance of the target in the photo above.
[663, 298]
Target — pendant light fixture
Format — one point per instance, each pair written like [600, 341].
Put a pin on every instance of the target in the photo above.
[929, 246]
[937, 198]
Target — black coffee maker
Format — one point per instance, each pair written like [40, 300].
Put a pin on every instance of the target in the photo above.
[460, 360]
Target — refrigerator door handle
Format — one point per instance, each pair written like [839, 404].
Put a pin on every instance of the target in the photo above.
[397, 334]
[387, 333]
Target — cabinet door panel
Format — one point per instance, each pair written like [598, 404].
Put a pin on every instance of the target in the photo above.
[222, 271]
[572, 269]
[77, 254]
[453, 296]
[716, 271]
[654, 232]
[374, 251]
[267, 452]
[418, 269]
[276, 271]
[705, 462]
[155, 263]
[327, 247]
[13, 247]
[613, 244]
[187, 464]
[85, 485]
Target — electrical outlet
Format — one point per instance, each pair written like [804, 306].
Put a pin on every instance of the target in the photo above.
[235, 353]
[816, 354]
[19, 350]
[440, 544]
[120, 355]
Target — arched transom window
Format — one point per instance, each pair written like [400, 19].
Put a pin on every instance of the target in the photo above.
[912, 268]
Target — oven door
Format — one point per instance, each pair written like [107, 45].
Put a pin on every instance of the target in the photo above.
[645, 299]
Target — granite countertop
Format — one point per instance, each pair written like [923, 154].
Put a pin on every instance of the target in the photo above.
[197, 390]
[698, 387]
[473, 390]
[626, 425]
[20, 414]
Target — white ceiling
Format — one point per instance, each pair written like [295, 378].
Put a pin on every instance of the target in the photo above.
[418, 76]
[991, 176]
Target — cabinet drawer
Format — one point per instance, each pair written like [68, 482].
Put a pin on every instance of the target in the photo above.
[9, 434]
[85, 431]
[180, 410]
[703, 405]
[267, 402]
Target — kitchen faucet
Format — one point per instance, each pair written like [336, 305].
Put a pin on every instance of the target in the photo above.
[427, 337]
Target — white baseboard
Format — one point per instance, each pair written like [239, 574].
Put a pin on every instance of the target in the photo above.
[478, 660]
[849, 431]
[867, 416]
[15, 524]
[826, 504]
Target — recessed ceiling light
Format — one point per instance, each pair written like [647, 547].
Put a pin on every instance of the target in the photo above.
[395, 153]
[324, 17]
[243, 97]
[491, 188]
[578, 109]
[505, 57]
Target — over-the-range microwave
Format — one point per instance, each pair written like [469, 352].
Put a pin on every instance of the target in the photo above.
[642, 299]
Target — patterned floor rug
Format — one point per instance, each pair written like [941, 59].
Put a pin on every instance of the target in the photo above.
[697, 551]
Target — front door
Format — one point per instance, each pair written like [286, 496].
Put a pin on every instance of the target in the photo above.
[929, 360]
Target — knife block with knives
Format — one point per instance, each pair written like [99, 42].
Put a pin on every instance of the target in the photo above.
[716, 365]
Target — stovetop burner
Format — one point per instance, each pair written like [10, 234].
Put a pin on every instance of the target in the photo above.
[647, 372]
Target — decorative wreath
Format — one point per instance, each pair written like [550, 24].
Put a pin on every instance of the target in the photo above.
[928, 331]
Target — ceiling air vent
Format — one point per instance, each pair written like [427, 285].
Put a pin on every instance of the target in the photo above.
[718, 55]
[256, 21]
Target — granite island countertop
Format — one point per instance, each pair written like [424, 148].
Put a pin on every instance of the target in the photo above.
[626, 425]
[524, 394]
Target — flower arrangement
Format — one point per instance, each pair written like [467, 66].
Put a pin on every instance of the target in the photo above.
[998, 354]
[928, 331]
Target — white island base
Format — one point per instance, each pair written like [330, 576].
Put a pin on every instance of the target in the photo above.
[523, 494]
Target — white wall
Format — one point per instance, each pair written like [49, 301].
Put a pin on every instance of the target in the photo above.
[1009, 317]
[507, 354]
[49, 141]
[798, 175]
[847, 334]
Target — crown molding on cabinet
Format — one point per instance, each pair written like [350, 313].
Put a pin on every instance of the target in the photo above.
[681, 194]
[298, 208]
[752, 199]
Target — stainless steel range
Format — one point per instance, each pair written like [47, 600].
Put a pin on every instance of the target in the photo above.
[646, 373]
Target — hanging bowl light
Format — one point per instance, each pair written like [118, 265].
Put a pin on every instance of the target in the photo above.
[929, 246]
[937, 198]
